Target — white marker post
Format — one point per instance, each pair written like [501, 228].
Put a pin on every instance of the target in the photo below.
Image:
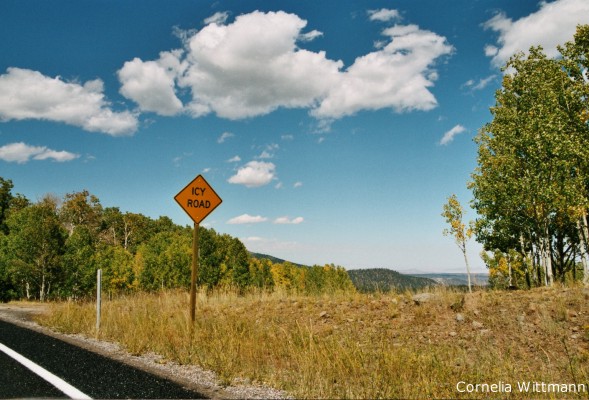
[98, 298]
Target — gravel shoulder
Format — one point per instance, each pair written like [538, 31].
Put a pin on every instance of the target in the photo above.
[190, 376]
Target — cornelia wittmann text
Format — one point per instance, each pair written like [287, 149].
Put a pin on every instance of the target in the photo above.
[521, 387]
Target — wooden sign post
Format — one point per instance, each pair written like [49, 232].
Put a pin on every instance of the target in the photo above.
[198, 199]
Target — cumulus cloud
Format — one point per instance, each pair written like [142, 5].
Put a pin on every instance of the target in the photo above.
[254, 174]
[27, 94]
[288, 221]
[22, 153]
[255, 65]
[151, 84]
[398, 76]
[449, 136]
[247, 219]
[553, 24]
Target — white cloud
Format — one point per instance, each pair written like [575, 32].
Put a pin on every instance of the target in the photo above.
[265, 155]
[234, 159]
[255, 65]
[254, 174]
[383, 15]
[297, 184]
[268, 151]
[398, 76]
[247, 219]
[224, 136]
[22, 153]
[288, 221]
[481, 84]
[553, 24]
[27, 94]
[307, 37]
[449, 136]
[151, 84]
[218, 18]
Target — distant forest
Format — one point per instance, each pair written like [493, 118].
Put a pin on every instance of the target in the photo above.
[52, 249]
[385, 280]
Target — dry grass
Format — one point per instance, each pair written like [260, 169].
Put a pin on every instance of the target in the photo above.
[359, 346]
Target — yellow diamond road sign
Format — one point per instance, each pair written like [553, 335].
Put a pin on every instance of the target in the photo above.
[198, 199]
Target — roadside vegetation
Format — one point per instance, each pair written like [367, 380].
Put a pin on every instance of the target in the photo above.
[353, 345]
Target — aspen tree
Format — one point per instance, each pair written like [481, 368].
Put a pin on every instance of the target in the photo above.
[531, 186]
[453, 213]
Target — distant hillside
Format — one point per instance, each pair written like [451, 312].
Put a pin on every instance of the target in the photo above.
[457, 279]
[381, 279]
[275, 260]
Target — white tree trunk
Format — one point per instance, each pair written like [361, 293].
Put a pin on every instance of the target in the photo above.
[42, 291]
[528, 260]
[547, 257]
[583, 235]
[467, 270]
[127, 235]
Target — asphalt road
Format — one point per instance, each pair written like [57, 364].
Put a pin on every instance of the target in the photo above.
[94, 375]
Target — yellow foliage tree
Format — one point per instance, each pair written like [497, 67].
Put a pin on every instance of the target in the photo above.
[453, 213]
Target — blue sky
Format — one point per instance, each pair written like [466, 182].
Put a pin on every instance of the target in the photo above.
[334, 131]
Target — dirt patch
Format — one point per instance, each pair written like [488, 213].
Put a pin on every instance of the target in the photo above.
[22, 311]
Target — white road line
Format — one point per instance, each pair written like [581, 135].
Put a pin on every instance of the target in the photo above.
[59, 383]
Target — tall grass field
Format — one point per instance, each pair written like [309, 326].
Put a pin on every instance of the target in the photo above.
[451, 345]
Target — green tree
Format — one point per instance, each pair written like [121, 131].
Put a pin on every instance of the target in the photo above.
[34, 247]
[237, 259]
[8, 289]
[506, 270]
[261, 274]
[116, 264]
[575, 61]
[211, 257]
[78, 264]
[165, 261]
[112, 226]
[5, 201]
[530, 187]
[81, 208]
